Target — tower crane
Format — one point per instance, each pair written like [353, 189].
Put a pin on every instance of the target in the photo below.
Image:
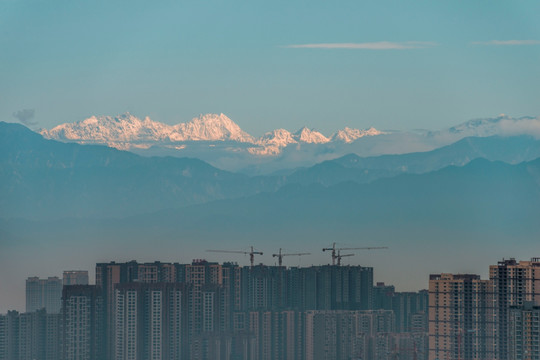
[280, 256]
[334, 249]
[339, 256]
[251, 253]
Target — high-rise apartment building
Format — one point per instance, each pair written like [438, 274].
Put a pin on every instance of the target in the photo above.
[524, 332]
[278, 335]
[345, 334]
[75, 277]
[460, 317]
[199, 274]
[82, 323]
[29, 336]
[44, 294]
[9, 336]
[383, 295]
[515, 283]
[150, 321]
[329, 287]
[32, 335]
[53, 336]
[108, 275]
[410, 309]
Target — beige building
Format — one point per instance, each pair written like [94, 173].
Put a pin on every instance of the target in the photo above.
[460, 317]
[515, 283]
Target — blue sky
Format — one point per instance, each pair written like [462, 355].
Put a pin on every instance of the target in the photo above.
[172, 60]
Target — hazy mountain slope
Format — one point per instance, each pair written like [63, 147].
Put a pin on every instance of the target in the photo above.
[365, 169]
[481, 193]
[47, 179]
[511, 149]
[433, 222]
[484, 196]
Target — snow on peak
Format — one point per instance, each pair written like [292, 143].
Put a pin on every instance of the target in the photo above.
[278, 137]
[272, 142]
[211, 127]
[127, 128]
[349, 135]
[306, 135]
[121, 128]
[127, 131]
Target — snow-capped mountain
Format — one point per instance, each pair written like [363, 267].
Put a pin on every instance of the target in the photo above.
[349, 135]
[221, 142]
[211, 127]
[310, 136]
[129, 132]
[126, 131]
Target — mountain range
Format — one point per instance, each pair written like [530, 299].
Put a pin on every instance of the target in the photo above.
[127, 131]
[47, 179]
[219, 141]
[456, 215]
[468, 202]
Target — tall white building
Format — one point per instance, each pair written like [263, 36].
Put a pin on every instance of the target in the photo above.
[149, 319]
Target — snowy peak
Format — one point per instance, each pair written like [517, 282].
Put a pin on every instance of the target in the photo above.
[278, 137]
[127, 128]
[211, 127]
[128, 132]
[349, 135]
[306, 135]
[272, 142]
[121, 128]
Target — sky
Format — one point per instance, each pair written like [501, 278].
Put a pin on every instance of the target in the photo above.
[269, 64]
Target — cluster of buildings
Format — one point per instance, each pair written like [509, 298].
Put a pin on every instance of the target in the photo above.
[495, 318]
[208, 310]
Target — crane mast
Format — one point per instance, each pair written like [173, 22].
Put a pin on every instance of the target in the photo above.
[280, 256]
[335, 251]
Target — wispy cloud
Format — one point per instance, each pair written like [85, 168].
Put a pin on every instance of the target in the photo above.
[507, 42]
[380, 45]
[25, 116]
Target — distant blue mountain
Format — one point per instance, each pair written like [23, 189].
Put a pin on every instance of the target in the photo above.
[109, 204]
[46, 179]
[454, 219]
[352, 167]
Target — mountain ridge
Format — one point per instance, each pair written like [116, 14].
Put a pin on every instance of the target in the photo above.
[216, 139]
[126, 131]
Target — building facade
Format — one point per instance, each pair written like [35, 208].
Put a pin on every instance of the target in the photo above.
[461, 317]
[524, 332]
[75, 277]
[82, 323]
[515, 283]
[44, 294]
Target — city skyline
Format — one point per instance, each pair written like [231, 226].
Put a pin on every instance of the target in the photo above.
[202, 310]
[269, 180]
